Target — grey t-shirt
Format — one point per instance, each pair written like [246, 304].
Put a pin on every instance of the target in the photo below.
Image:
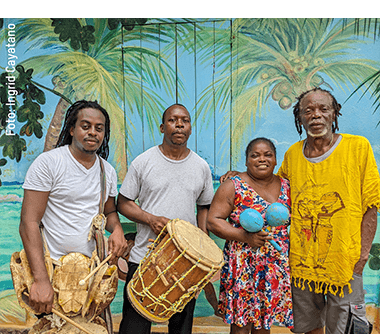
[165, 187]
[323, 156]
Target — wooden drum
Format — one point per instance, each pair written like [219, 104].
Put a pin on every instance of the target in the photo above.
[179, 263]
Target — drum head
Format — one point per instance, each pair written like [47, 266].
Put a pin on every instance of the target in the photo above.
[197, 244]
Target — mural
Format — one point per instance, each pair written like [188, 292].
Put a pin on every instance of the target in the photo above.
[237, 77]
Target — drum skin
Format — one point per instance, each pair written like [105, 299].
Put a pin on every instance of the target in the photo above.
[180, 262]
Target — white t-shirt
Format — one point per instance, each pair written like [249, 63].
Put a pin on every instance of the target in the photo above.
[73, 199]
[168, 188]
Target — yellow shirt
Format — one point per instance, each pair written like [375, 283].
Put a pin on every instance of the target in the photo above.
[329, 199]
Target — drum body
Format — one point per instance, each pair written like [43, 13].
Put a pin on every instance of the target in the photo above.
[179, 263]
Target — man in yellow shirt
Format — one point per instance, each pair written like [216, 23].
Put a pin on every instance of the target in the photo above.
[335, 193]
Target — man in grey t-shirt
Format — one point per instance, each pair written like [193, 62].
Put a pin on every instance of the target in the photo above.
[169, 181]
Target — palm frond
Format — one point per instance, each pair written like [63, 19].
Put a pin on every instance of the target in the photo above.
[279, 58]
[371, 82]
[38, 33]
[349, 74]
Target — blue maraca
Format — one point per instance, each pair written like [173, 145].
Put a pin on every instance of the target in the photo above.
[277, 214]
[251, 221]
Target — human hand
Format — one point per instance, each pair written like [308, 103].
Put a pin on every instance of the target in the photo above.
[157, 223]
[257, 239]
[117, 245]
[228, 175]
[41, 296]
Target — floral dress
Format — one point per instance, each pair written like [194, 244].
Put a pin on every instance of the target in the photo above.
[255, 284]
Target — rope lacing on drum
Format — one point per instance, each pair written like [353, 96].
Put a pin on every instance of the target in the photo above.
[178, 305]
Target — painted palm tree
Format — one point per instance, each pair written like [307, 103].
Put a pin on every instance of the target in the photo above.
[278, 59]
[370, 28]
[95, 72]
[372, 82]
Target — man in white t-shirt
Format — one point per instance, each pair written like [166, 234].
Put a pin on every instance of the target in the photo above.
[62, 190]
[170, 181]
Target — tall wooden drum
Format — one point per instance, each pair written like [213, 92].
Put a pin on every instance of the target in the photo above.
[179, 263]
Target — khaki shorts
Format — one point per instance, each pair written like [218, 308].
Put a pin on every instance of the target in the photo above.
[316, 310]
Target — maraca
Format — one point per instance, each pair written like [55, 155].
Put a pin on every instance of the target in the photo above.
[251, 221]
[277, 214]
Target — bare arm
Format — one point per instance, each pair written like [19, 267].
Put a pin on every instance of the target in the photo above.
[221, 207]
[368, 230]
[33, 207]
[132, 211]
[228, 175]
[117, 245]
[202, 211]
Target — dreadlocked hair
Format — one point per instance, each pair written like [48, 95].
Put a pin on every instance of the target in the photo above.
[335, 104]
[71, 118]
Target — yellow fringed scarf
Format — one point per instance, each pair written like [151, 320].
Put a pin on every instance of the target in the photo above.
[329, 199]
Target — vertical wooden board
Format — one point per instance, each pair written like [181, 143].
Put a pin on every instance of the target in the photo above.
[153, 100]
[186, 59]
[234, 152]
[169, 56]
[134, 124]
[166, 90]
[223, 101]
[205, 123]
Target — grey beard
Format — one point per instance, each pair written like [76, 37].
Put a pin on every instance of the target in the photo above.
[318, 134]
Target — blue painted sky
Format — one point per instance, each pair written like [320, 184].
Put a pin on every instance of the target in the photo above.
[277, 124]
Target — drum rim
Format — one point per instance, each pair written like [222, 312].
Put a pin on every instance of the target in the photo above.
[205, 262]
[141, 309]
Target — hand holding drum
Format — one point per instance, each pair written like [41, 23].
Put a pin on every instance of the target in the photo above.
[252, 221]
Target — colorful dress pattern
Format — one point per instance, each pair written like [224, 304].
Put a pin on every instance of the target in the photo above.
[255, 285]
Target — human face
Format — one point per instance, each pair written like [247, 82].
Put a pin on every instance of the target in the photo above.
[317, 113]
[177, 126]
[261, 160]
[88, 132]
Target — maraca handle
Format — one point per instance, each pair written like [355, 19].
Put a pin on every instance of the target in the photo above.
[275, 245]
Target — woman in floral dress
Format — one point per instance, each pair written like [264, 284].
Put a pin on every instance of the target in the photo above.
[255, 280]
